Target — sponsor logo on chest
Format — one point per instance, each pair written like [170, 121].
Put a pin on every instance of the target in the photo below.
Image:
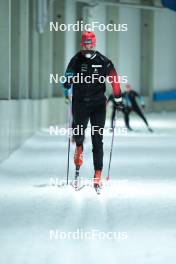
[96, 66]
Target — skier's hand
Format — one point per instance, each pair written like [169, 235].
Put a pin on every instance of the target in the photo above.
[126, 109]
[143, 106]
[119, 104]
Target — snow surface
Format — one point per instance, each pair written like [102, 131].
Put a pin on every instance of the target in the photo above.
[140, 200]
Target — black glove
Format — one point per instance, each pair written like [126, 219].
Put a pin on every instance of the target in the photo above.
[143, 106]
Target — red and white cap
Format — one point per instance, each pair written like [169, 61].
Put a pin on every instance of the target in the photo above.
[88, 39]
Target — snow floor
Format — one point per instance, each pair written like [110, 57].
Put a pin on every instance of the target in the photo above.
[139, 200]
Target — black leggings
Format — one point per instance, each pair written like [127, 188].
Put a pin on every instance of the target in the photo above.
[97, 115]
[126, 113]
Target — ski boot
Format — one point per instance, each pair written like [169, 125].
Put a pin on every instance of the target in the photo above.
[97, 181]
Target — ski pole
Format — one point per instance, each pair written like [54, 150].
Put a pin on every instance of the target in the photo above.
[112, 143]
[69, 135]
[68, 159]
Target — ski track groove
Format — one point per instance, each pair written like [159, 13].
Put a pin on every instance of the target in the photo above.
[143, 204]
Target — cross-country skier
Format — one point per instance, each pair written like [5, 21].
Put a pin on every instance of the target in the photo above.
[89, 100]
[130, 98]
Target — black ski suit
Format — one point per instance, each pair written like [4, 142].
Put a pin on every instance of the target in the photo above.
[89, 100]
[130, 103]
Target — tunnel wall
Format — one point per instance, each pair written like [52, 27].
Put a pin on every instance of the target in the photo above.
[29, 52]
[20, 119]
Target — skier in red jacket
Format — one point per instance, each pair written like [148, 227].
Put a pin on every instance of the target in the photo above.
[88, 98]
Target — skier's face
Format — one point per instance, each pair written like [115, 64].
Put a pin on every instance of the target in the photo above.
[88, 47]
[128, 88]
[88, 51]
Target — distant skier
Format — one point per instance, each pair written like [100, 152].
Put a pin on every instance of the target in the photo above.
[89, 100]
[130, 98]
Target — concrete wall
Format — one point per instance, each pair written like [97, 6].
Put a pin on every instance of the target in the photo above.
[27, 57]
[129, 47]
[5, 65]
[164, 57]
[164, 50]
[70, 36]
[19, 119]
